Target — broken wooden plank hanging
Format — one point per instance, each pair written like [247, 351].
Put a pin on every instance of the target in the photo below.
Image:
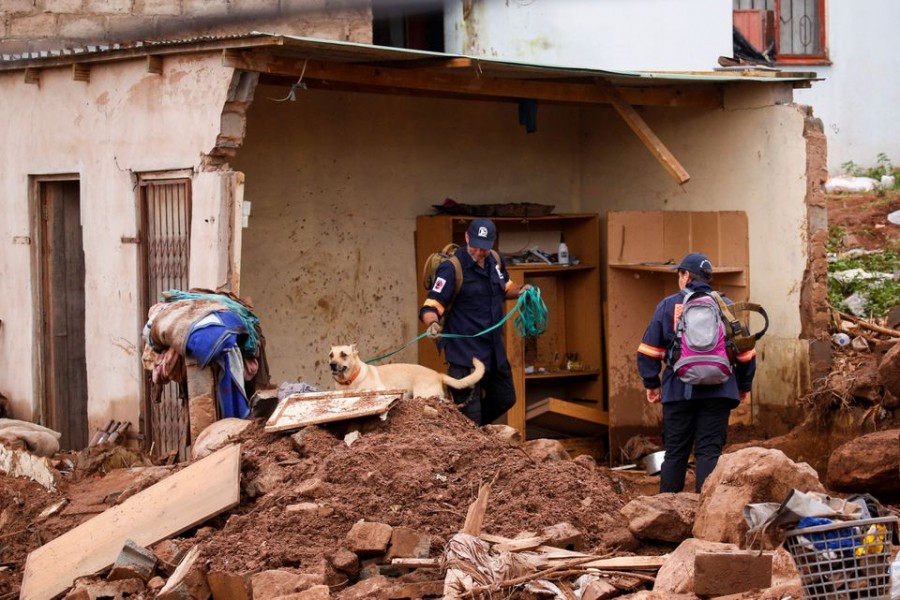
[646, 135]
[299, 410]
[181, 501]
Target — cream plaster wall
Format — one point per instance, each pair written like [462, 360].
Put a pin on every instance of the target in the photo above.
[124, 121]
[335, 182]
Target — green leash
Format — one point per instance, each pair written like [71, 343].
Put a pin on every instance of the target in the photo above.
[530, 322]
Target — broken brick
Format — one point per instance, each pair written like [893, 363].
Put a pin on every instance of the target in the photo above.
[724, 573]
[367, 537]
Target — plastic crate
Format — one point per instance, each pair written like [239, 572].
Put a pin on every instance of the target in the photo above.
[844, 560]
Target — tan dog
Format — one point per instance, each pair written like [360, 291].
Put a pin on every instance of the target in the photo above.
[352, 373]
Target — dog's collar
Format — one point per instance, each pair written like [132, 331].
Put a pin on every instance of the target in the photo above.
[352, 379]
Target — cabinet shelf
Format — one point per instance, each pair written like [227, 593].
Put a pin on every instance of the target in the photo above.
[571, 294]
[545, 268]
[562, 374]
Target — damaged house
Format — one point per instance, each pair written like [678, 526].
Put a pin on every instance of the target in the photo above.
[302, 173]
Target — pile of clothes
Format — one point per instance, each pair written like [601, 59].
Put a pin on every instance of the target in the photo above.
[216, 330]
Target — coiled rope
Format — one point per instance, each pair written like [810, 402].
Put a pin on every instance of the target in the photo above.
[531, 321]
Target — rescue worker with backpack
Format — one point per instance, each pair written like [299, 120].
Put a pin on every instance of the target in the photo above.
[467, 297]
[706, 373]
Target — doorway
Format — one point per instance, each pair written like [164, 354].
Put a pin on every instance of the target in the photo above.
[65, 394]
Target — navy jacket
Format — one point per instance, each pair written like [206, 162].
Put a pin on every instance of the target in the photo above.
[479, 304]
[660, 336]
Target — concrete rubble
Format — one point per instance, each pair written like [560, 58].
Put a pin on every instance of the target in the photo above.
[426, 505]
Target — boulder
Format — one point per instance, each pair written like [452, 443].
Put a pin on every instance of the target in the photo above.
[889, 371]
[750, 475]
[868, 464]
[665, 517]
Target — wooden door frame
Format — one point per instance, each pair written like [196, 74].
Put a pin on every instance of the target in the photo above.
[39, 351]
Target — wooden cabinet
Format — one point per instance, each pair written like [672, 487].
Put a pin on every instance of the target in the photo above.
[551, 399]
[642, 250]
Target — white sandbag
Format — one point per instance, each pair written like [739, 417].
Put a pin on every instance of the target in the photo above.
[850, 184]
[40, 443]
[28, 425]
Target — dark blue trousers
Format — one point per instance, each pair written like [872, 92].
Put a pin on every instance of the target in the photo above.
[700, 425]
[490, 398]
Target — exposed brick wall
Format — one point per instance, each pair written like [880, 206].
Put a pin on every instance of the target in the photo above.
[52, 24]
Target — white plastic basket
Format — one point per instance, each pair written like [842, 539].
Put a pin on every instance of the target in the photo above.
[844, 560]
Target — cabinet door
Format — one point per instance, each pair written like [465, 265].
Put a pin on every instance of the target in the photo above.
[642, 249]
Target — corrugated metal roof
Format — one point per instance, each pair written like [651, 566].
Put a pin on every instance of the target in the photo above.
[364, 54]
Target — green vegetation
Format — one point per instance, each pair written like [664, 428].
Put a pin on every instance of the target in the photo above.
[882, 296]
[883, 166]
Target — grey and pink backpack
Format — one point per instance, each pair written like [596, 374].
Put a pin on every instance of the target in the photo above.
[700, 353]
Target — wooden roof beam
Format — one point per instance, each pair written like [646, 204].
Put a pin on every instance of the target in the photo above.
[449, 82]
[646, 135]
[32, 75]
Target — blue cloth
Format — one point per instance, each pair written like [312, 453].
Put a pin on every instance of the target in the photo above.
[660, 334]
[478, 305]
[833, 539]
[214, 339]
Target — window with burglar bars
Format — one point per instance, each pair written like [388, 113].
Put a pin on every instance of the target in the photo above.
[166, 225]
[799, 27]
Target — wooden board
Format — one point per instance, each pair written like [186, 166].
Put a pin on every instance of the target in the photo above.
[299, 410]
[191, 496]
[563, 416]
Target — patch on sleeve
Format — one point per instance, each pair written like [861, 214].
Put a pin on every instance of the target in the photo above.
[438, 285]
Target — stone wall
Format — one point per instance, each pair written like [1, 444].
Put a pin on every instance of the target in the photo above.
[28, 25]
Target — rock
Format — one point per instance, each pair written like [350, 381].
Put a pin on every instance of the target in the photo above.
[676, 576]
[367, 538]
[345, 561]
[865, 386]
[889, 371]
[544, 450]
[271, 584]
[408, 543]
[868, 464]
[665, 517]
[372, 588]
[504, 432]
[747, 476]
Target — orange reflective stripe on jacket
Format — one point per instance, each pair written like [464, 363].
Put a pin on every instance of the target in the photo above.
[652, 351]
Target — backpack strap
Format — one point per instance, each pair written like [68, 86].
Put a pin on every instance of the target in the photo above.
[734, 327]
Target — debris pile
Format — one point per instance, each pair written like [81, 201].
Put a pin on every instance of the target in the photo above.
[302, 493]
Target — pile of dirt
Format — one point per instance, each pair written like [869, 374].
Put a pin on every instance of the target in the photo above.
[420, 467]
[861, 219]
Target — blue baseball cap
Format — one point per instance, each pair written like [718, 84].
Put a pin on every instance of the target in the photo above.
[482, 234]
[696, 263]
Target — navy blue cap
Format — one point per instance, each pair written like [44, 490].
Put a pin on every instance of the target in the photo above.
[696, 264]
[482, 234]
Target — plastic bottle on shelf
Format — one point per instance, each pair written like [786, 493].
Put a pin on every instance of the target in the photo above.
[562, 256]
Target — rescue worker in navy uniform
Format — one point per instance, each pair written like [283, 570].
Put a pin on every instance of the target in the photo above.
[478, 305]
[693, 416]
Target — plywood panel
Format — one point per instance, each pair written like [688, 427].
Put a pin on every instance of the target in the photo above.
[299, 410]
[187, 498]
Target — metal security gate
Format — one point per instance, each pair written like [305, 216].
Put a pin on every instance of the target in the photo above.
[166, 225]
